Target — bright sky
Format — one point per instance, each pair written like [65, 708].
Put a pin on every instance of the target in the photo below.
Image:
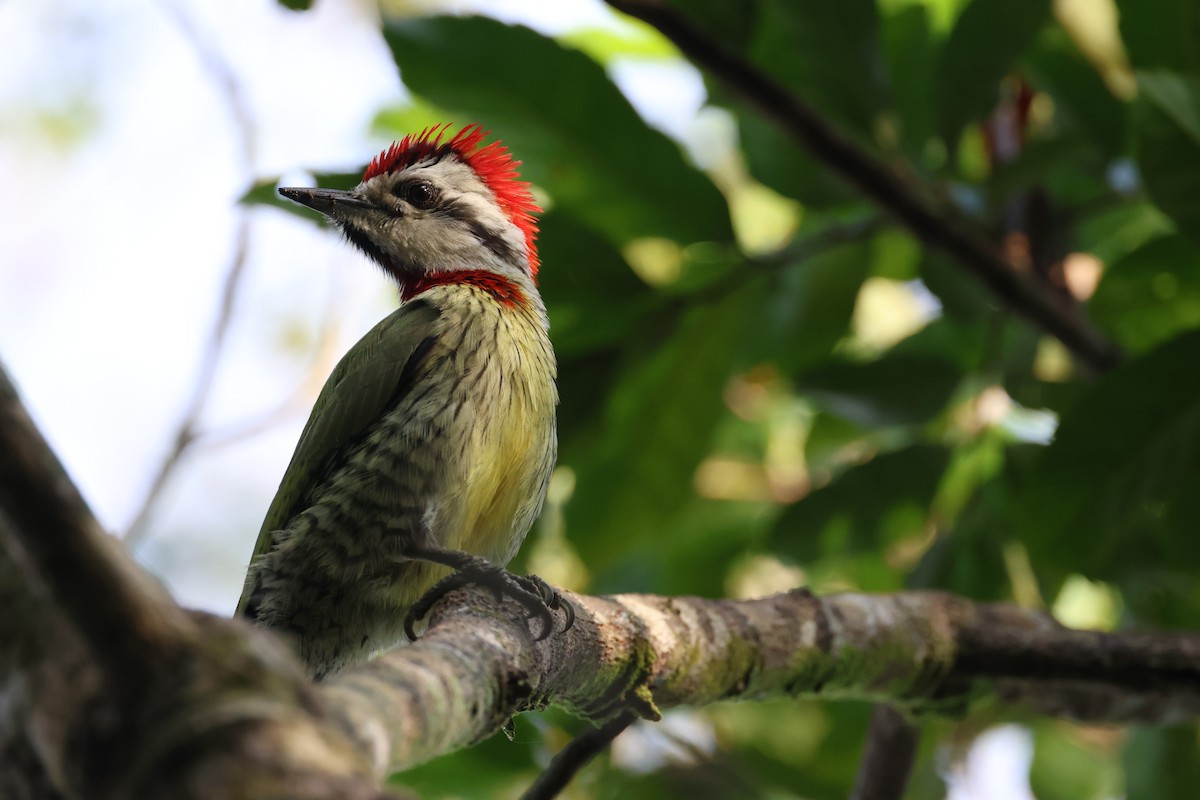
[121, 164]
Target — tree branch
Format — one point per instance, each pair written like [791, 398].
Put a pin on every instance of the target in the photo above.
[128, 622]
[1021, 291]
[206, 702]
[108, 689]
[888, 758]
[234, 719]
[928, 652]
[244, 710]
[575, 756]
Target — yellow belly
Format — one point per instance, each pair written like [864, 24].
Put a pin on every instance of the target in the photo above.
[504, 480]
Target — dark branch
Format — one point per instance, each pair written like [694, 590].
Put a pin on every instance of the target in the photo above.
[1021, 291]
[888, 758]
[110, 690]
[578, 753]
[127, 621]
[925, 652]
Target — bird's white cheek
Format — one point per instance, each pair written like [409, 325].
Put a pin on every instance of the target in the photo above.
[424, 242]
[403, 240]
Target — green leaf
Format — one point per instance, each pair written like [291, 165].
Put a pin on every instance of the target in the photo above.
[776, 161]
[829, 54]
[1043, 161]
[1161, 33]
[968, 561]
[605, 45]
[1167, 125]
[911, 54]
[1115, 491]
[809, 306]
[1080, 95]
[1176, 96]
[827, 440]
[557, 110]
[794, 749]
[1114, 233]
[593, 297]
[893, 390]
[1067, 766]
[296, 5]
[949, 339]
[962, 295]
[984, 45]
[1163, 598]
[895, 255]
[968, 557]
[1162, 763]
[655, 428]
[584, 381]
[692, 554]
[864, 509]
[1151, 294]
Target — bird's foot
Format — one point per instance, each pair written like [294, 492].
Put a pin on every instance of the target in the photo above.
[539, 598]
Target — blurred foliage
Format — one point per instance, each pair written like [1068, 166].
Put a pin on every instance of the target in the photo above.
[852, 409]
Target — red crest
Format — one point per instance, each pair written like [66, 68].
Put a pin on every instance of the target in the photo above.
[491, 162]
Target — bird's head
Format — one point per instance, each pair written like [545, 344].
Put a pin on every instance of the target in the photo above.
[427, 209]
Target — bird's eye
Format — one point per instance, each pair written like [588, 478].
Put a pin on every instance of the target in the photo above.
[421, 194]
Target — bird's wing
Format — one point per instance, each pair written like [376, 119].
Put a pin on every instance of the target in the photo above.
[371, 378]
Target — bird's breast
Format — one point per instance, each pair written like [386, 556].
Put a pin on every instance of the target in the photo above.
[502, 417]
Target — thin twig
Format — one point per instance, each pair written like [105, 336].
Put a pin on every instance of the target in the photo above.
[1021, 291]
[186, 430]
[578, 753]
[888, 758]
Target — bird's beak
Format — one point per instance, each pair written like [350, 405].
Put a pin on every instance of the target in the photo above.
[333, 202]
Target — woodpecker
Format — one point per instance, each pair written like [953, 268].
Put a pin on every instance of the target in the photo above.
[428, 452]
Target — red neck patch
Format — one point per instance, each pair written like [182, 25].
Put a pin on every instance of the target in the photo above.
[492, 163]
[505, 292]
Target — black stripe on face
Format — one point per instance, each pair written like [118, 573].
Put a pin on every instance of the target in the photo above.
[489, 238]
[364, 243]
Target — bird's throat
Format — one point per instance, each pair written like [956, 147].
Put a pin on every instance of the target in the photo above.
[503, 290]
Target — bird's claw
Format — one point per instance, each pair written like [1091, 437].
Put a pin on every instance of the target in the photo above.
[539, 598]
[551, 599]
